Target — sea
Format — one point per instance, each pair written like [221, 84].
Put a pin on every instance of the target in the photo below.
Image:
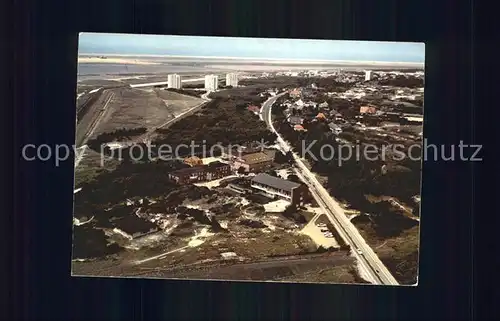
[108, 70]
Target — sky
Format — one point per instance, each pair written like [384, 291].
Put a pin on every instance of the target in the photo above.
[261, 48]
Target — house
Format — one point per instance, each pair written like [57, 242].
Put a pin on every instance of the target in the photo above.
[414, 119]
[254, 109]
[277, 187]
[295, 120]
[193, 161]
[299, 103]
[295, 93]
[367, 110]
[308, 93]
[200, 173]
[321, 116]
[336, 129]
[323, 105]
[254, 162]
[299, 128]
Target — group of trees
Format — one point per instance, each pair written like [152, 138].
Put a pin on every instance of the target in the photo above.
[402, 81]
[90, 243]
[193, 86]
[326, 83]
[293, 213]
[187, 92]
[222, 121]
[128, 180]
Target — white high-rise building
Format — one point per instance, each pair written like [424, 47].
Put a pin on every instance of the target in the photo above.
[211, 82]
[232, 80]
[368, 75]
[174, 81]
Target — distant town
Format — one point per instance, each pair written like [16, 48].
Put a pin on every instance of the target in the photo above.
[259, 208]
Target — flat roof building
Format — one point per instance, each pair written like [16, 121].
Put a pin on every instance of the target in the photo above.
[278, 187]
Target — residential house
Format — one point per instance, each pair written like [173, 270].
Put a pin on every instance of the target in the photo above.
[254, 109]
[299, 103]
[299, 128]
[336, 129]
[321, 116]
[295, 93]
[295, 120]
[323, 105]
[367, 110]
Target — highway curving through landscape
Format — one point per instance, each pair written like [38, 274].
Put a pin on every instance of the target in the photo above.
[369, 261]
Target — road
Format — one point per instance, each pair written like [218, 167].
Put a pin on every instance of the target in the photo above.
[369, 261]
[96, 120]
[89, 131]
[165, 83]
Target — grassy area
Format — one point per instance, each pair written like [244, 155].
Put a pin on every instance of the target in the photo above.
[85, 174]
[399, 254]
[259, 244]
[337, 274]
[90, 167]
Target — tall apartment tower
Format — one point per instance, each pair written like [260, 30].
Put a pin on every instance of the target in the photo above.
[174, 81]
[368, 75]
[211, 82]
[232, 80]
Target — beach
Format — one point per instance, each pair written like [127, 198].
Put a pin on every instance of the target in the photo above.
[114, 60]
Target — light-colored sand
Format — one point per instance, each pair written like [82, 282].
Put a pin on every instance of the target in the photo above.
[318, 237]
[276, 206]
[98, 60]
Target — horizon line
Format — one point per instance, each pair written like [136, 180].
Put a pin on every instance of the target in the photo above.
[251, 58]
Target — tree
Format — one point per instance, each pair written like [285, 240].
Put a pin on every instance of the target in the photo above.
[272, 173]
[241, 170]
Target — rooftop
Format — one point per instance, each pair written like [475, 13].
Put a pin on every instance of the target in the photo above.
[216, 164]
[256, 158]
[275, 182]
[188, 170]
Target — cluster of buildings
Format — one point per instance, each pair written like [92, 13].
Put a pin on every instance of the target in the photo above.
[246, 160]
[201, 170]
[315, 112]
[212, 81]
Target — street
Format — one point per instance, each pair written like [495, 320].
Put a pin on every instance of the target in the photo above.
[366, 256]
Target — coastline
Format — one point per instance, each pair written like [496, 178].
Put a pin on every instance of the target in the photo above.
[129, 57]
[111, 60]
